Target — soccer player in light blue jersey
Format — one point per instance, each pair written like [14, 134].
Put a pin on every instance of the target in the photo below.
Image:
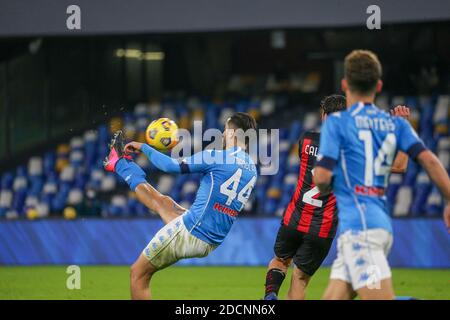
[357, 149]
[228, 178]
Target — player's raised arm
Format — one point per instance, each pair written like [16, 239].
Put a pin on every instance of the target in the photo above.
[400, 164]
[439, 176]
[160, 160]
[330, 143]
[198, 162]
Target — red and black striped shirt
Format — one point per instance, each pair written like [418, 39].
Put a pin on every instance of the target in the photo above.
[309, 211]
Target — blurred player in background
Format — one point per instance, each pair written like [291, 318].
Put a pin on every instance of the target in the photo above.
[228, 179]
[357, 147]
[309, 223]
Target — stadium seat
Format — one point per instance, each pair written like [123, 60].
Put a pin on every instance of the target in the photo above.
[403, 201]
[395, 181]
[444, 157]
[7, 181]
[397, 100]
[6, 201]
[49, 162]
[426, 121]
[108, 183]
[440, 117]
[295, 131]
[267, 106]
[35, 166]
[382, 101]
[421, 190]
[434, 204]
[412, 102]
[311, 121]
[409, 177]
[165, 183]
[118, 206]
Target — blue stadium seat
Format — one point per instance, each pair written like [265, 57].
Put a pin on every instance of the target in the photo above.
[7, 180]
[426, 121]
[434, 204]
[49, 162]
[409, 178]
[421, 190]
[295, 131]
[412, 101]
[36, 184]
[395, 181]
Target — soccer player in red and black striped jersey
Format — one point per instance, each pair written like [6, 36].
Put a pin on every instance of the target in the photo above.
[309, 222]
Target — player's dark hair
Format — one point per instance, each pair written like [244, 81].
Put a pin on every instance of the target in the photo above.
[332, 104]
[362, 70]
[242, 120]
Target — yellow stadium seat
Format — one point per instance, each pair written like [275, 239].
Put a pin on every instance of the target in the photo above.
[141, 137]
[255, 113]
[70, 213]
[294, 149]
[197, 114]
[63, 149]
[185, 122]
[441, 128]
[61, 163]
[129, 134]
[274, 193]
[32, 214]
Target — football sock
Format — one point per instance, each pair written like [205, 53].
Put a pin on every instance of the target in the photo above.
[274, 279]
[130, 172]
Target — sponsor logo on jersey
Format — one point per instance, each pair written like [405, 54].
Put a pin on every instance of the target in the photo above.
[369, 191]
[224, 209]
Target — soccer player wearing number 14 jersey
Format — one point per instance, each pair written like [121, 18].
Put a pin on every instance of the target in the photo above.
[357, 147]
[228, 178]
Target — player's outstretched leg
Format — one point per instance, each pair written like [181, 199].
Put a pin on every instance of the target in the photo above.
[299, 282]
[123, 165]
[361, 267]
[170, 244]
[140, 275]
[164, 205]
[384, 292]
[274, 278]
[338, 290]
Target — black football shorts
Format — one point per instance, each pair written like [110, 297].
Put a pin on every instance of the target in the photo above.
[307, 251]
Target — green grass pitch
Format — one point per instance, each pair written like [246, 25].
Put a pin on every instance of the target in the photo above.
[112, 282]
